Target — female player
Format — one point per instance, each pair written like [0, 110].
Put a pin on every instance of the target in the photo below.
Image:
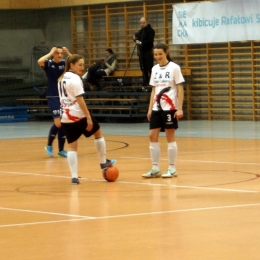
[53, 65]
[165, 109]
[76, 119]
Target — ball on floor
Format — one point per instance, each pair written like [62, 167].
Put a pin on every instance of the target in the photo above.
[110, 174]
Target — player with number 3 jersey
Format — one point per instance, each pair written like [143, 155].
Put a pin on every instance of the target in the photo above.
[165, 109]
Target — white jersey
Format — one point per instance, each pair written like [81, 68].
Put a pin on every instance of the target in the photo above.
[166, 78]
[70, 87]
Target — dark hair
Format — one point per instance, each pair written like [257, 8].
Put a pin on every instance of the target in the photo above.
[110, 50]
[58, 47]
[163, 47]
[74, 58]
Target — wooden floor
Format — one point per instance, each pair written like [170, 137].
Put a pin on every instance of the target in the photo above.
[210, 211]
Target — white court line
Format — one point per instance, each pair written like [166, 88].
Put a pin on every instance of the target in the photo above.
[130, 215]
[189, 187]
[199, 161]
[180, 210]
[44, 212]
[42, 222]
[139, 183]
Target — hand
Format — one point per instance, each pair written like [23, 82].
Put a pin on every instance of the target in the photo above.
[149, 114]
[65, 50]
[89, 124]
[53, 50]
[138, 42]
[178, 114]
[102, 61]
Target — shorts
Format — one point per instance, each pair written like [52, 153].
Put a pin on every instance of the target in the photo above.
[54, 106]
[163, 119]
[73, 131]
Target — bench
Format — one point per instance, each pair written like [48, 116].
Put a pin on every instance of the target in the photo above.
[99, 107]
[138, 73]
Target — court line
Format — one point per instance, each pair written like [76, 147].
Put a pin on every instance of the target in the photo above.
[44, 212]
[42, 222]
[187, 160]
[139, 183]
[191, 187]
[80, 218]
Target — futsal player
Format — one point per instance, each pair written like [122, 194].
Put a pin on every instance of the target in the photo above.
[165, 109]
[76, 118]
[53, 64]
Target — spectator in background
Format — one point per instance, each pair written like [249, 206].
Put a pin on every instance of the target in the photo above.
[99, 69]
[144, 39]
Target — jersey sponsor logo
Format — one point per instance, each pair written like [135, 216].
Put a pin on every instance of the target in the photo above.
[61, 67]
[56, 112]
[160, 75]
[52, 66]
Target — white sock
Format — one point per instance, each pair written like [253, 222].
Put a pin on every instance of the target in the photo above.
[172, 154]
[72, 158]
[100, 145]
[155, 155]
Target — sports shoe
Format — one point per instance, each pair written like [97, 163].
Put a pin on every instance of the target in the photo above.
[62, 154]
[152, 174]
[48, 150]
[75, 181]
[107, 164]
[170, 173]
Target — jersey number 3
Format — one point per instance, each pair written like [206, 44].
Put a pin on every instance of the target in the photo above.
[62, 88]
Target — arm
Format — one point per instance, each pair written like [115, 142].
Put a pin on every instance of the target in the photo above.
[47, 56]
[180, 95]
[149, 113]
[84, 108]
[66, 51]
[112, 66]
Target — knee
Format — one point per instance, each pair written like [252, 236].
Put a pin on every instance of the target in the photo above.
[153, 137]
[57, 124]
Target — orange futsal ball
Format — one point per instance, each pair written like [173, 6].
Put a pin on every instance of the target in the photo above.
[110, 174]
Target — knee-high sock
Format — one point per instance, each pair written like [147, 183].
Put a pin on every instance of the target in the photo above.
[172, 154]
[61, 139]
[52, 134]
[100, 145]
[72, 158]
[155, 154]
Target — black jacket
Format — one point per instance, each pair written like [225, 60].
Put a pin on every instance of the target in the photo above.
[146, 36]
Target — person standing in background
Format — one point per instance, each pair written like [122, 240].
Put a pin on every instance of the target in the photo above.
[144, 39]
[53, 64]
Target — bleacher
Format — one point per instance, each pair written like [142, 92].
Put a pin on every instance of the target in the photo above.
[113, 102]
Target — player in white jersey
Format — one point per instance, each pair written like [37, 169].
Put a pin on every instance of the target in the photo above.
[75, 116]
[165, 109]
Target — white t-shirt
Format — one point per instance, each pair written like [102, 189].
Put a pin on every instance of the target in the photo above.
[69, 88]
[162, 77]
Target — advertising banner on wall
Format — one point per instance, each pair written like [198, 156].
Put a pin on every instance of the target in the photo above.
[222, 21]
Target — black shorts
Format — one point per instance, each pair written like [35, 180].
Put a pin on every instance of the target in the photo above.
[73, 131]
[163, 119]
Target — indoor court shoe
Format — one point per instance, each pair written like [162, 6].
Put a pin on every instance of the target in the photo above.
[170, 173]
[152, 174]
[75, 181]
[107, 164]
[48, 150]
[62, 154]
